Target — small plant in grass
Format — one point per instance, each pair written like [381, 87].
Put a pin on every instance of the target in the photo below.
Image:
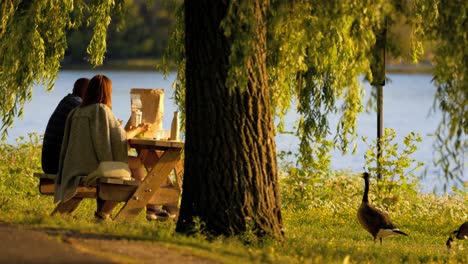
[18, 187]
[17, 164]
[396, 165]
[461, 190]
[301, 175]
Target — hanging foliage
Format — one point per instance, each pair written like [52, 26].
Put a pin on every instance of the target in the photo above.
[445, 23]
[317, 51]
[33, 43]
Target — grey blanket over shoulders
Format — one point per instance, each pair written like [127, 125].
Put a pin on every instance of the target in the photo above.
[92, 134]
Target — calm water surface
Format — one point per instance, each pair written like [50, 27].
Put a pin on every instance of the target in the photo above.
[407, 106]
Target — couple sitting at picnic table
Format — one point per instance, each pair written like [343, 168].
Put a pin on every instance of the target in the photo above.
[83, 134]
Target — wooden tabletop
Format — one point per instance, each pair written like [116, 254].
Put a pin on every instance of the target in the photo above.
[150, 142]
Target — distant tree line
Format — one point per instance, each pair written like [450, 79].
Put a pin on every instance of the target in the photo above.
[142, 32]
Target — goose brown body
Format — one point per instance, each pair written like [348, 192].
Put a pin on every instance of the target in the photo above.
[461, 233]
[376, 222]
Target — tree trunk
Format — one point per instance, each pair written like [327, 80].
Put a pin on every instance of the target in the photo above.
[230, 175]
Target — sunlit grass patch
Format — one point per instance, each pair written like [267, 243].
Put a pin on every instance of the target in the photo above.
[323, 229]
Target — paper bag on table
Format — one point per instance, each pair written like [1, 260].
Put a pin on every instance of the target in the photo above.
[152, 108]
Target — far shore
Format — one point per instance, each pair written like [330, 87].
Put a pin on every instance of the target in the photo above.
[154, 65]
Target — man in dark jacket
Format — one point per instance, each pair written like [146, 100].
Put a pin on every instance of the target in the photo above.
[55, 127]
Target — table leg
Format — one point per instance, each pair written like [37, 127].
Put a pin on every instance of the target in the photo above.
[67, 207]
[173, 206]
[179, 173]
[149, 157]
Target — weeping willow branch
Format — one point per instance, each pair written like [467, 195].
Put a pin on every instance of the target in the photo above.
[33, 43]
[445, 24]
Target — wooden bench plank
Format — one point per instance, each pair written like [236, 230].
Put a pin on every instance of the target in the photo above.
[47, 187]
[116, 192]
[108, 189]
[114, 189]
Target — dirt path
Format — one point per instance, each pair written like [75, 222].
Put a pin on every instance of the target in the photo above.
[39, 245]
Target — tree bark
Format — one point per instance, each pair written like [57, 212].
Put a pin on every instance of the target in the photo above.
[230, 176]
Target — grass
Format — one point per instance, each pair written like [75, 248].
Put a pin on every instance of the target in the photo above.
[324, 231]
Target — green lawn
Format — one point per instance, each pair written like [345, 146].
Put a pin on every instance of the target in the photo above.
[325, 231]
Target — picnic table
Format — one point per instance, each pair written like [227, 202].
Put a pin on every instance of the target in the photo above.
[160, 158]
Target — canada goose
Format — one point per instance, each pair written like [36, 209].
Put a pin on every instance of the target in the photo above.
[373, 220]
[461, 233]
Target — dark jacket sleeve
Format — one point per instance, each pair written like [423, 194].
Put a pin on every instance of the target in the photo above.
[54, 133]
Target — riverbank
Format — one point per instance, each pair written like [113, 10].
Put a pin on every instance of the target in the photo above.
[123, 65]
[154, 65]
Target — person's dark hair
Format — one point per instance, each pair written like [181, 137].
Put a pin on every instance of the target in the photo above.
[99, 91]
[80, 86]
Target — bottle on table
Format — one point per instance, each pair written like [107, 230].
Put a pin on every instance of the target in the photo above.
[136, 117]
[175, 127]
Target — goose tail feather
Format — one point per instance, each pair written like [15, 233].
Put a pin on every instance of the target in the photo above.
[398, 231]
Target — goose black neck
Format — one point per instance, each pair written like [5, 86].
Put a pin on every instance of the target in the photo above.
[365, 197]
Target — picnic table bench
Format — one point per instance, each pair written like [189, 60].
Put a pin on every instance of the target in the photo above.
[160, 157]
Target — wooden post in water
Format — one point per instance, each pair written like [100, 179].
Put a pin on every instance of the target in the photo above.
[378, 81]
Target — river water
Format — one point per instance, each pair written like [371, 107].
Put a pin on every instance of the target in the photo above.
[408, 101]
